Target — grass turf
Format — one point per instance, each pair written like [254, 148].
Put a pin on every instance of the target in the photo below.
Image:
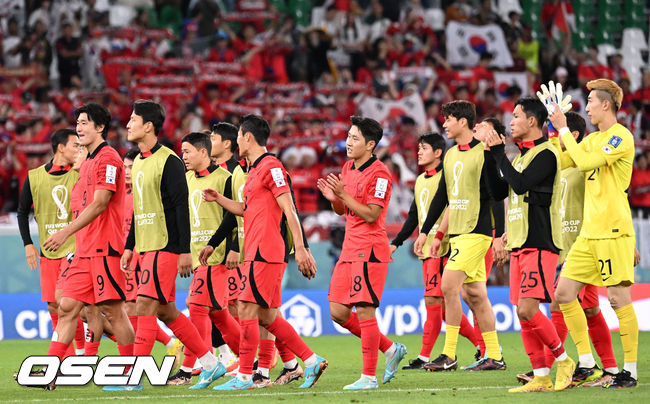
[344, 356]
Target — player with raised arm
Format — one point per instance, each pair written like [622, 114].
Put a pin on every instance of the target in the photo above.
[361, 192]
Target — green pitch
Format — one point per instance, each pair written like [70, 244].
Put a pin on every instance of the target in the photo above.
[344, 356]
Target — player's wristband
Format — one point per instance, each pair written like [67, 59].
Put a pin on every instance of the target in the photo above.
[439, 235]
[564, 131]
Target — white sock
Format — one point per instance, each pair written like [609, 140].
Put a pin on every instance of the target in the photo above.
[55, 336]
[423, 358]
[225, 354]
[171, 343]
[186, 369]
[630, 367]
[244, 378]
[263, 371]
[79, 351]
[390, 351]
[541, 372]
[311, 361]
[587, 361]
[291, 364]
[561, 357]
[373, 378]
[613, 370]
[197, 364]
[208, 361]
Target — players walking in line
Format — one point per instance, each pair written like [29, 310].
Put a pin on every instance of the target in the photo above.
[161, 232]
[464, 187]
[267, 203]
[361, 192]
[94, 276]
[603, 253]
[533, 187]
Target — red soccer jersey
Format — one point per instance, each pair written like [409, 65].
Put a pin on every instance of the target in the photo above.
[128, 211]
[103, 169]
[266, 180]
[370, 184]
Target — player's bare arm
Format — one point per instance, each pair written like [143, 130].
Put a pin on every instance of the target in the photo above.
[337, 204]
[369, 213]
[31, 254]
[304, 259]
[234, 207]
[100, 201]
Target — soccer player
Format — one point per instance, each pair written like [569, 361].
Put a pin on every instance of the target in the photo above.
[603, 253]
[267, 198]
[174, 346]
[48, 188]
[532, 184]
[465, 188]
[208, 297]
[361, 192]
[161, 232]
[97, 200]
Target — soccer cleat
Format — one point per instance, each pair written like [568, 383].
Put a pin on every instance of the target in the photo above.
[208, 376]
[196, 372]
[260, 381]
[48, 387]
[538, 383]
[181, 378]
[622, 380]
[600, 382]
[584, 375]
[235, 384]
[176, 351]
[232, 365]
[364, 383]
[524, 378]
[416, 363]
[392, 362]
[288, 375]
[488, 364]
[477, 354]
[442, 362]
[564, 374]
[137, 387]
[478, 358]
[312, 373]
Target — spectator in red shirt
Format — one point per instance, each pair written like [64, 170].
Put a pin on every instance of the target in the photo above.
[640, 186]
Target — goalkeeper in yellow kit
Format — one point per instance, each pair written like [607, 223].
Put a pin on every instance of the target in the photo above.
[603, 254]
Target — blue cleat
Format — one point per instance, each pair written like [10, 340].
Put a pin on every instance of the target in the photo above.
[235, 384]
[208, 376]
[392, 362]
[478, 361]
[312, 373]
[364, 383]
[123, 388]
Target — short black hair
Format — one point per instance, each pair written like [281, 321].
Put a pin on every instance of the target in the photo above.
[575, 122]
[460, 109]
[497, 125]
[131, 154]
[198, 140]
[433, 139]
[227, 131]
[258, 126]
[61, 136]
[150, 112]
[96, 113]
[370, 129]
[532, 106]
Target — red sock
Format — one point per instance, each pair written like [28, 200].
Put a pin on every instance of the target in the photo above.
[287, 334]
[431, 329]
[229, 328]
[199, 317]
[533, 345]
[266, 353]
[57, 349]
[250, 339]
[467, 331]
[70, 350]
[145, 335]
[125, 350]
[369, 346]
[162, 336]
[479, 337]
[55, 320]
[285, 352]
[80, 335]
[134, 322]
[602, 339]
[546, 333]
[557, 318]
[187, 333]
[91, 348]
[236, 319]
[353, 326]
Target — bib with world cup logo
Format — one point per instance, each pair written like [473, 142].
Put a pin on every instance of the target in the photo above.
[462, 169]
[425, 189]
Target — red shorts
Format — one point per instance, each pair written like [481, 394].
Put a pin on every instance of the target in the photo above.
[489, 260]
[94, 280]
[133, 279]
[50, 270]
[235, 284]
[209, 286]
[432, 269]
[158, 275]
[62, 275]
[531, 274]
[262, 283]
[358, 282]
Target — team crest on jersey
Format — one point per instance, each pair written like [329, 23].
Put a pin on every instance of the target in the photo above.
[381, 187]
[607, 149]
[111, 173]
[278, 177]
[615, 141]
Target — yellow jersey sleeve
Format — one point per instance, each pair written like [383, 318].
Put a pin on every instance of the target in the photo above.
[565, 158]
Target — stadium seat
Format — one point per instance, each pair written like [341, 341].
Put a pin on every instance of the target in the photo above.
[435, 17]
[506, 6]
[634, 38]
[120, 16]
[605, 50]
